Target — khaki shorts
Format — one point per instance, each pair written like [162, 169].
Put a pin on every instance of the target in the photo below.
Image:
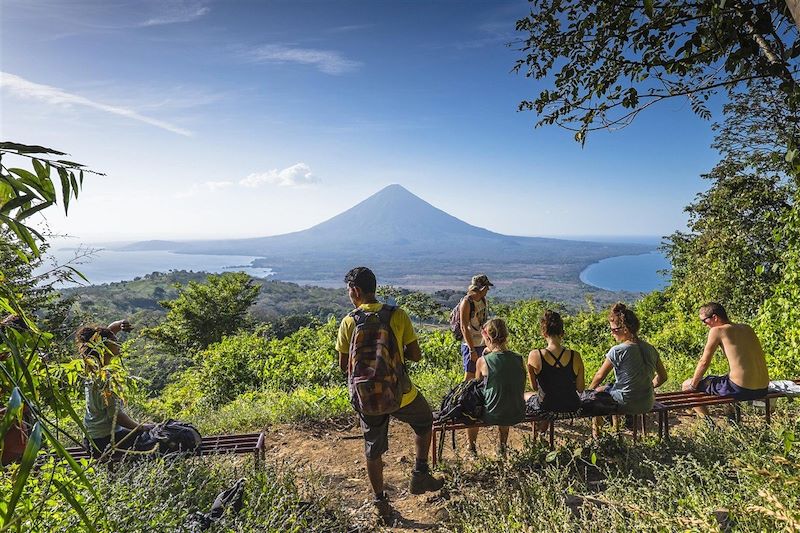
[417, 414]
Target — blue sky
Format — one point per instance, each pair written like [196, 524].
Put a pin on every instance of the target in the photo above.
[236, 119]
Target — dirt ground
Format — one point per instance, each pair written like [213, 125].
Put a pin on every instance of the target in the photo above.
[334, 455]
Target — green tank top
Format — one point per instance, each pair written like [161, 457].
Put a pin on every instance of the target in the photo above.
[504, 388]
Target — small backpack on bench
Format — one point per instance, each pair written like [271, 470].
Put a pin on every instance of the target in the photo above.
[465, 403]
[173, 436]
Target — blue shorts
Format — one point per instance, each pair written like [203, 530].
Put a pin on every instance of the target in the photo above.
[723, 386]
[469, 364]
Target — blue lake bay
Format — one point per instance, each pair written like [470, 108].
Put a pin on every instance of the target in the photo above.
[635, 273]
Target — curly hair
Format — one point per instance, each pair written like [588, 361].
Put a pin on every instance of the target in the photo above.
[88, 337]
[551, 324]
[620, 314]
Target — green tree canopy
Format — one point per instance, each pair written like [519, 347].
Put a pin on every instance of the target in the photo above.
[603, 62]
[731, 252]
[204, 313]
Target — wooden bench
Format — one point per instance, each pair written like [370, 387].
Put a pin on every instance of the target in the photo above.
[453, 426]
[665, 402]
[682, 400]
[211, 445]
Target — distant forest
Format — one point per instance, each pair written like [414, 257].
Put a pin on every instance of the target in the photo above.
[138, 299]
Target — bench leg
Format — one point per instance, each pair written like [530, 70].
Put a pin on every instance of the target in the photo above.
[666, 425]
[440, 449]
[737, 412]
[552, 434]
[433, 448]
[644, 425]
[767, 411]
[635, 427]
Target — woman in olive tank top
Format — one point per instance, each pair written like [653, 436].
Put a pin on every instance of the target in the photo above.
[556, 373]
[503, 374]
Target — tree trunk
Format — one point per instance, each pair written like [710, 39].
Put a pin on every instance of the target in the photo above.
[794, 9]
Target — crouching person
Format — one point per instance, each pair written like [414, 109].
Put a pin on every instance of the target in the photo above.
[503, 374]
[108, 427]
[373, 343]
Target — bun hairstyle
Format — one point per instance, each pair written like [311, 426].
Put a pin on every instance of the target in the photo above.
[88, 338]
[497, 331]
[620, 314]
[551, 324]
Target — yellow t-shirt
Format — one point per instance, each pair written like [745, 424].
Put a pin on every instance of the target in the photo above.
[403, 334]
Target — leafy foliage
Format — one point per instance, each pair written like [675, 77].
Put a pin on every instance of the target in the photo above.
[604, 62]
[29, 379]
[204, 313]
[730, 253]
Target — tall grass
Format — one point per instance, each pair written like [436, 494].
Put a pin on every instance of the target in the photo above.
[164, 495]
[734, 479]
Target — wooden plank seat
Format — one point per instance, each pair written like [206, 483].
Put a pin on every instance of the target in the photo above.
[682, 400]
[211, 445]
[453, 426]
[665, 402]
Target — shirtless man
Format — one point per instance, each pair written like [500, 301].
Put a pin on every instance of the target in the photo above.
[748, 378]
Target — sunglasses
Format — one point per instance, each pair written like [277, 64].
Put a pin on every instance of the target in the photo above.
[705, 319]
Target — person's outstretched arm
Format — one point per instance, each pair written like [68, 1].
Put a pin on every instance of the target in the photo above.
[463, 309]
[412, 351]
[713, 341]
[120, 325]
[534, 364]
[481, 371]
[601, 374]
[661, 374]
[580, 378]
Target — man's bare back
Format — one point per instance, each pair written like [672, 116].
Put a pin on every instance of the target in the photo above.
[741, 347]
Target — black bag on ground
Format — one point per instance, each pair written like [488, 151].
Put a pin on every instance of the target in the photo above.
[230, 498]
[173, 436]
[464, 403]
[598, 403]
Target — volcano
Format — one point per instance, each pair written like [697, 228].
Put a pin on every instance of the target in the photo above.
[404, 237]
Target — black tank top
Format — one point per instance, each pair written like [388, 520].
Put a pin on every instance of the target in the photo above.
[557, 383]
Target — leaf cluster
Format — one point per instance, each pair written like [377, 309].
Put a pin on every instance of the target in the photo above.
[604, 62]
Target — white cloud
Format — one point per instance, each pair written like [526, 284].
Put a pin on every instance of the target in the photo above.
[327, 61]
[175, 12]
[55, 96]
[297, 175]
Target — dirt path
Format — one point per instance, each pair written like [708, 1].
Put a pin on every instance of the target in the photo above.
[333, 455]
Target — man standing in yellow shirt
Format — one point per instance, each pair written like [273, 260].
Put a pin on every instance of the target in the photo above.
[414, 409]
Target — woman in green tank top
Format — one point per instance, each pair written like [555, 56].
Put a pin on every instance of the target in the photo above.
[503, 374]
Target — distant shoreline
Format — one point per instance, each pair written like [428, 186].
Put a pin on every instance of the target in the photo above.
[634, 273]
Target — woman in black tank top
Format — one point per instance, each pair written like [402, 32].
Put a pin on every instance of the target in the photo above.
[556, 373]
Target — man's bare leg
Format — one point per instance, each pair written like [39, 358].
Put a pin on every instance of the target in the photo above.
[375, 474]
[503, 438]
[597, 424]
[701, 411]
[472, 436]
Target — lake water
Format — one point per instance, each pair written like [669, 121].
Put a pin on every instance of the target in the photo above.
[635, 273]
[106, 266]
